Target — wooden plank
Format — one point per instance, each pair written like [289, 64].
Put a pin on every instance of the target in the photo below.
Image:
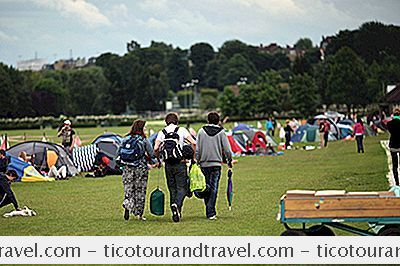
[337, 214]
[330, 193]
[344, 203]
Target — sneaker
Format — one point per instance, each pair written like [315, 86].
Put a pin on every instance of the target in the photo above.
[214, 217]
[141, 218]
[175, 213]
[126, 214]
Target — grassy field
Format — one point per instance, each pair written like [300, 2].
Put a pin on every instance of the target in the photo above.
[86, 206]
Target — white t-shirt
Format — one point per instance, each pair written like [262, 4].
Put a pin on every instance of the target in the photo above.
[182, 132]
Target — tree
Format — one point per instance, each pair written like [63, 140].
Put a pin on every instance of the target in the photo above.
[178, 69]
[8, 99]
[228, 102]
[304, 44]
[304, 92]
[208, 99]
[347, 79]
[47, 97]
[236, 67]
[200, 55]
[233, 47]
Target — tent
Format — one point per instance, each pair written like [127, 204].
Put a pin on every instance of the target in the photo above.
[306, 133]
[84, 157]
[25, 171]
[235, 146]
[108, 137]
[40, 150]
[241, 127]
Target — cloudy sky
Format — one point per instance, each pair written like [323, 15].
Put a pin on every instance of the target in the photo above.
[51, 28]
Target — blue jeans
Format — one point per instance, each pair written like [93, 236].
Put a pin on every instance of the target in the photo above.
[212, 175]
[177, 181]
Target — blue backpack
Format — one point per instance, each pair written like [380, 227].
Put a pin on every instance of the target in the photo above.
[131, 150]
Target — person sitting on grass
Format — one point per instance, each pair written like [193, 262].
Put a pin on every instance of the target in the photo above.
[6, 194]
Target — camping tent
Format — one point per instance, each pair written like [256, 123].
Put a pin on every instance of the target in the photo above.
[84, 157]
[108, 137]
[25, 171]
[39, 150]
[306, 133]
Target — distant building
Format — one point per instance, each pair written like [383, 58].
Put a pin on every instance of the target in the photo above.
[291, 52]
[391, 99]
[32, 64]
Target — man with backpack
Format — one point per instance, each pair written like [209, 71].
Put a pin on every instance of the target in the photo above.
[169, 145]
[212, 148]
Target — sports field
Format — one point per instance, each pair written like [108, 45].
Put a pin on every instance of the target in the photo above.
[87, 206]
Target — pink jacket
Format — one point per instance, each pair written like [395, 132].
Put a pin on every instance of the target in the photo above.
[359, 129]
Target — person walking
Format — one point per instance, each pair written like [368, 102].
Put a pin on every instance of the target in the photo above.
[6, 194]
[288, 134]
[269, 127]
[393, 127]
[321, 130]
[327, 128]
[212, 147]
[359, 132]
[169, 145]
[135, 153]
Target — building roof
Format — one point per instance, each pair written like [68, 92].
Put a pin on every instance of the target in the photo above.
[393, 96]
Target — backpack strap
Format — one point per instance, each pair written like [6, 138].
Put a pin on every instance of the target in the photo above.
[176, 130]
[164, 132]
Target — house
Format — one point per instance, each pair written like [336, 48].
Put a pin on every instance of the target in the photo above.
[391, 99]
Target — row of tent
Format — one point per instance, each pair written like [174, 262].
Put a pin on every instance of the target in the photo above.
[46, 154]
[83, 158]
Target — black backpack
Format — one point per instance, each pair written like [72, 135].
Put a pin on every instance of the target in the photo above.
[130, 151]
[170, 150]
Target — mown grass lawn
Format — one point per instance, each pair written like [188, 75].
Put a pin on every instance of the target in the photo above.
[86, 206]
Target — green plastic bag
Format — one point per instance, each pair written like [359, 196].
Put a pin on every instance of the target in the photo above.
[157, 200]
[197, 179]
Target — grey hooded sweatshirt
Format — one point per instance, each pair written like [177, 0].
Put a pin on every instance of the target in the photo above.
[212, 146]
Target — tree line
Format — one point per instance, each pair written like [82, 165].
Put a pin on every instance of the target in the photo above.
[356, 67]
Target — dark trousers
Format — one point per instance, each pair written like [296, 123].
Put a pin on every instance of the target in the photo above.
[212, 175]
[360, 146]
[5, 201]
[287, 140]
[326, 134]
[395, 164]
[177, 181]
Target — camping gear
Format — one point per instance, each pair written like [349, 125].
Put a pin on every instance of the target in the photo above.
[130, 150]
[39, 150]
[187, 152]
[108, 137]
[197, 179]
[333, 208]
[84, 157]
[51, 157]
[157, 199]
[229, 189]
[25, 171]
[170, 150]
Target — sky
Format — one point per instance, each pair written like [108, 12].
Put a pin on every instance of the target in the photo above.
[53, 29]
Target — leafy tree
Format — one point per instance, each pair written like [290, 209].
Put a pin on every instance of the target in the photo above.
[212, 72]
[304, 92]
[347, 78]
[8, 99]
[236, 67]
[178, 69]
[304, 44]
[233, 47]
[200, 55]
[228, 102]
[47, 97]
[208, 98]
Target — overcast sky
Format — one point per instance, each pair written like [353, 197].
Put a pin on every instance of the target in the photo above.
[52, 28]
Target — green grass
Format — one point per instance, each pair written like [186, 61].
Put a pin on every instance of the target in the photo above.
[85, 206]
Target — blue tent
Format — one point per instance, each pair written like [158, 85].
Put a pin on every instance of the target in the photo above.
[25, 171]
[298, 135]
[241, 127]
[108, 137]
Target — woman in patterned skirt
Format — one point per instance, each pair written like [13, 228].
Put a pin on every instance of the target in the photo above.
[136, 172]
